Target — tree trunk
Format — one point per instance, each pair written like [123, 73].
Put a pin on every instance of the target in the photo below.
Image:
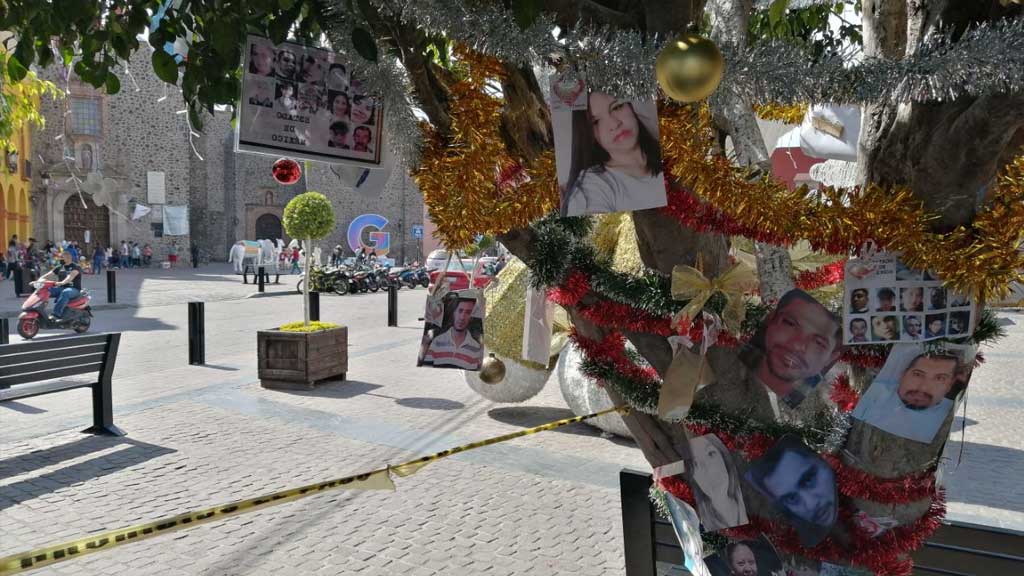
[305, 285]
[923, 146]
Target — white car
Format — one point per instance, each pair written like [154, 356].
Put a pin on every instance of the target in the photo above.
[436, 259]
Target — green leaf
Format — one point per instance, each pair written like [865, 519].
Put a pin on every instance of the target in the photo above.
[15, 71]
[526, 12]
[113, 84]
[165, 67]
[364, 44]
[777, 10]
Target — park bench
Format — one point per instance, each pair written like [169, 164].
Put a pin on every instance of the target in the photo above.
[42, 367]
[955, 549]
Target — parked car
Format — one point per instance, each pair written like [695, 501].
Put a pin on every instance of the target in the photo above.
[458, 279]
[436, 259]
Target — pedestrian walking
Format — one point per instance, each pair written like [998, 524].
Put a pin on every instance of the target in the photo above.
[147, 255]
[195, 254]
[295, 261]
[136, 255]
[172, 254]
[98, 256]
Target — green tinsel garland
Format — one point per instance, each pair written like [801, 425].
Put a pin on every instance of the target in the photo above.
[713, 541]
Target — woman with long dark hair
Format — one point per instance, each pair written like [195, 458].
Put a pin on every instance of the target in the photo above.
[716, 485]
[616, 161]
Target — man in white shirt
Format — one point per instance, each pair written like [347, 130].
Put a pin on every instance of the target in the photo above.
[456, 347]
[915, 405]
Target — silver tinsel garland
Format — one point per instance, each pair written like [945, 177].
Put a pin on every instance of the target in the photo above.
[988, 59]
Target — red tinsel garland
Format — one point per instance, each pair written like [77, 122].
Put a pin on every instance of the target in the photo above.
[864, 356]
[826, 275]
[843, 394]
[691, 212]
[625, 317]
[572, 290]
[863, 486]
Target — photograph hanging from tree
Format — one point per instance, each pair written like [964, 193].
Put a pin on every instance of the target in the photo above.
[313, 111]
[607, 153]
[453, 331]
[794, 347]
[746, 558]
[900, 304]
[916, 389]
[715, 483]
[801, 485]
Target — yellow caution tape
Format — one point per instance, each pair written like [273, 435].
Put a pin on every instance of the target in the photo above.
[379, 479]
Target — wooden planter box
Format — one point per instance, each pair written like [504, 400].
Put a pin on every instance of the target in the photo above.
[301, 360]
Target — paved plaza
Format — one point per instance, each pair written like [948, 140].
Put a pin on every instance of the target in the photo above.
[199, 436]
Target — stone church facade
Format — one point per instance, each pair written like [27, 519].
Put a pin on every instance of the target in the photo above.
[101, 156]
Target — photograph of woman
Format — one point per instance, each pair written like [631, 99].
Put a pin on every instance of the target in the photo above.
[747, 558]
[608, 156]
[716, 485]
[338, 105]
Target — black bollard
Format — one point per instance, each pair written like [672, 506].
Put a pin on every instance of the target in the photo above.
[196, 334]
[314, 306]
[261, 278]
[111, 286]
[392, 305]
[5, 338]
[19, 280]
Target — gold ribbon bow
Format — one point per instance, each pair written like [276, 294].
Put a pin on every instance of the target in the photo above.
[688, 283]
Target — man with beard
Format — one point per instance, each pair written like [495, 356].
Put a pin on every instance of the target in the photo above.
[456, 347]
[795, 345]
[912, 402]
[800, 484]
[859, 300]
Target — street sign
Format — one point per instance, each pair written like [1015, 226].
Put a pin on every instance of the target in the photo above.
[417, 231]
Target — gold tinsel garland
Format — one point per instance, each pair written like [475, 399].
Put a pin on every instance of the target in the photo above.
[614, 237]
[457, 177]
[981, 259]
[457, 174]
[785, 113]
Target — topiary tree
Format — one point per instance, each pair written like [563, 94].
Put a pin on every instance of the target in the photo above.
[309, 217]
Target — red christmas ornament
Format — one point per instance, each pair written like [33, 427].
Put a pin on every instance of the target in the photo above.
[286, 171]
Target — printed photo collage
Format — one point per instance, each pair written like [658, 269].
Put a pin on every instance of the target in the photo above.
[301, 98]
[887, 302]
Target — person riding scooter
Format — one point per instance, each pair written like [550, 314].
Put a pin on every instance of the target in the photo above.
[69, 284]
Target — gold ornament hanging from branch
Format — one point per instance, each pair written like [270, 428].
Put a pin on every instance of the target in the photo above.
[492, 371]
[457, 170]
[689, 68]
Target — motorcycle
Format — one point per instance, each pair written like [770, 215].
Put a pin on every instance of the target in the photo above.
[33, 318]
[409, 277]
[423, 275]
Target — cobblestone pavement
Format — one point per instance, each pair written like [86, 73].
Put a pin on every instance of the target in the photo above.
[198, 436]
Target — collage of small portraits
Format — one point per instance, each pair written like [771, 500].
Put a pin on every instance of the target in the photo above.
[314, 91]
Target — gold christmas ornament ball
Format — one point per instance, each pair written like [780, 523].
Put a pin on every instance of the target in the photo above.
[689, 68]
[492, 371]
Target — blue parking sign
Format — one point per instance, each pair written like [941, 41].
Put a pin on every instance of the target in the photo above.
[417, 231]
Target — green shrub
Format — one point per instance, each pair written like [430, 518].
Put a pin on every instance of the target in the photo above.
[309, 216]
[303, 327]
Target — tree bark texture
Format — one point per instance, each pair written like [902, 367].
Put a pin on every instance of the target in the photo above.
[947, 153]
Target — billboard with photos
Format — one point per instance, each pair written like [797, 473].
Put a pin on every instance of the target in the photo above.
[886, 302]
[303, 102]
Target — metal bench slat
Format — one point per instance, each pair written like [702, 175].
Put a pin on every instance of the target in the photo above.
[51, 364]
[26, 357]
[988, 538]
[29, 390]
[52, 344]
[966, 561]
[51, 374]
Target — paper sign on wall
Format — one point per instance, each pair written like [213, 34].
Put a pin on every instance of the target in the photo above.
[155, 191]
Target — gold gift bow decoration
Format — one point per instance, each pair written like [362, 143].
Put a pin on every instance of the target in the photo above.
[691, 284]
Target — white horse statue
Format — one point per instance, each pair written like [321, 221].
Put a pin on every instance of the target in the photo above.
[255, 253]
[317, 254]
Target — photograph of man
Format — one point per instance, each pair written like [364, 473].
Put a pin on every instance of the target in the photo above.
[794, 347]
[716, 484]
[261, 59]
[859, 301]
[959, 322]
[261, 92]
[936, 298]
[608, 156]
[361, 139]
[456, 345]
[912, 299]
[858, 331]
[337, 78]
[800, 485]
[286, 64]
[339, 136]
[313, 68]
[934, 325]
[746, 558]
[912, 327]
[914, 392]
[285, 100]
[884, 328]
[886, 300]
[363, 108]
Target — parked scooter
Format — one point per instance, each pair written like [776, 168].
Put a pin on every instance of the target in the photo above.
[34, 317]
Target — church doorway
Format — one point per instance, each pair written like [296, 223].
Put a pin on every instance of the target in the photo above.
[268, 227]
[78, 219]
